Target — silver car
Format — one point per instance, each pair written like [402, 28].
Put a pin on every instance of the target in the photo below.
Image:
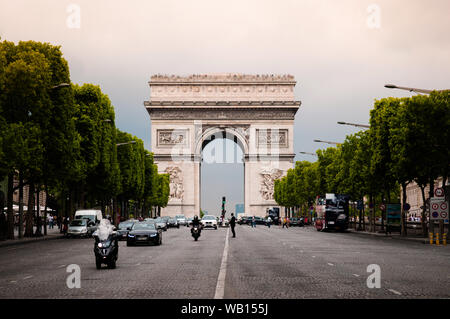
[181, 219]
[161, 223]
[82, 227]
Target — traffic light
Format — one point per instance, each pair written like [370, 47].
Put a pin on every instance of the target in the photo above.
[223, 206]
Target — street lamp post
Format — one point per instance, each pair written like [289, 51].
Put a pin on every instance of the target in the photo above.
[354, 124]
[126, 143]
[393, 86]
[328, 142]
[307, 153]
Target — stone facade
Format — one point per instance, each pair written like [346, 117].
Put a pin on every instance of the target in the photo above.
[255, 111]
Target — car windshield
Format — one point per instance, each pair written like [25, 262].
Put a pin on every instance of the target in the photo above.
[144, 226]
[208, 218]
[180, 217]
[125, 225]
[172, 220]
[78, 222]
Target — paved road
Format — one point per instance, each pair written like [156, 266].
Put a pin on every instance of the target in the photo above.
[259, 263]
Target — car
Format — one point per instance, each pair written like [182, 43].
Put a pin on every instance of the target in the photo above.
[144, 233]
[259, 220]
[209, 221]
[189, 221]
[246, 220]
[223, 223]
[165, 218]
[81, 227]
[173, 223]
[123, 228]
[161, 223]
[181, 219]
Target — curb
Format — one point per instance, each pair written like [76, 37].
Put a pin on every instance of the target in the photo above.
[14, 242]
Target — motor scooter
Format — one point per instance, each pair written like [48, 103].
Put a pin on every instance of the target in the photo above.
[106, 251]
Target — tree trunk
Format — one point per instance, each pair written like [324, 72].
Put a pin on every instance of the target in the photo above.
[424, 212]
[20, 205]
[10, 211]
[45, 210]
[38, 214]
[403, 221]
[30, 215]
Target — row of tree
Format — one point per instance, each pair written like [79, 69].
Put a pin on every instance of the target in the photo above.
[408, 141]
[61, 138]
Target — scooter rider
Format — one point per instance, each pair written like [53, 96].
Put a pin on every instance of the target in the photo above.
[196, 223]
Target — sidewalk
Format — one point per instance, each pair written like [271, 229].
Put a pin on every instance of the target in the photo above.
[51, 234]
[396, 235]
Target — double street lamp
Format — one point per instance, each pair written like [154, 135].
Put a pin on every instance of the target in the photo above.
[126, 143]
[354, 124]
[393, 86]
[328, 142]
[307, 153]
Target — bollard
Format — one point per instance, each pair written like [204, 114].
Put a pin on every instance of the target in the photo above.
[437, 239]
[444, 239]
[431, 238]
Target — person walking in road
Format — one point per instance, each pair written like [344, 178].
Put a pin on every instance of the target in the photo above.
[50, 222]
[284, 222]
[253, 222]
[232, 224]
[269, 221]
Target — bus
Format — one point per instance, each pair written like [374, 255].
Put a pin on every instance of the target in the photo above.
[332, 212]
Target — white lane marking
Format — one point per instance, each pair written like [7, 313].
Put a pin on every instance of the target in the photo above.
[61, 266]
[394, 291]
[27, 277]
[355, 275]
[330, 264]
[13, 281]
[220, 287]
[313, 256]
[138, 264]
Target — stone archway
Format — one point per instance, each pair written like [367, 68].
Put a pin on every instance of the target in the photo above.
[256, 111]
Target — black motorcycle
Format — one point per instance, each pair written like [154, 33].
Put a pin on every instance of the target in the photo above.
[106, 251]
[195, 231]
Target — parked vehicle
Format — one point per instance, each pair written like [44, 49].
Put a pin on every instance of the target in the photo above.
[123, 228]
[144, 233]
[173, 223]
[332, 212]
[245, 220]
[181, 219]
[106, 251]
[81, 228]
[209, 221]
[189, 222]
[93, 214]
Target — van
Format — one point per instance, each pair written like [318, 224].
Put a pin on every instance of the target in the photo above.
[93, 214]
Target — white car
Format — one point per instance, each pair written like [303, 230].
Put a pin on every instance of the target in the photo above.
[209, 221]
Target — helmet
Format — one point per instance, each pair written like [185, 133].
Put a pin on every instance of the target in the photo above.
[195, 217]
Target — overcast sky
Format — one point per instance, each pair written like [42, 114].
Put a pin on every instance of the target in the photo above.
[340, 52]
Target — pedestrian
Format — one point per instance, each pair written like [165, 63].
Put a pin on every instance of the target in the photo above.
[269, 221]
[50, 222]
[284, 222]
[253, 222]
[232, 224]
[65, 225]
[287, 222]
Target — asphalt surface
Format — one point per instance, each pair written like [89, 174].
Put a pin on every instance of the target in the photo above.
[298, 262]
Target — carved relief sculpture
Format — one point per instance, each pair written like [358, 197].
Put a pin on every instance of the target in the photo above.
[269, 175]
[176, 182]
[272, 137]
[172, 137]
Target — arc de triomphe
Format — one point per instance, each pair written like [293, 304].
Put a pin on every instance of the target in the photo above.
[256, 111]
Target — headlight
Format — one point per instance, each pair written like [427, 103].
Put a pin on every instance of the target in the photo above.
[129, 235]
[100, 245]
[84, 230]
[152, 235]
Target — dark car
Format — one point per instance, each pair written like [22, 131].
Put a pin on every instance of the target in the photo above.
[246, 220]
[296, 221]
[259, 220]
[123, 228]
[172, 222]
[144, 233]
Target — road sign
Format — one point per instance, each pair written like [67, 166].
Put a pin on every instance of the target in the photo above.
[382, 207]
[393, 217]
[439, 209]
[406, 206]
[439, 192]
